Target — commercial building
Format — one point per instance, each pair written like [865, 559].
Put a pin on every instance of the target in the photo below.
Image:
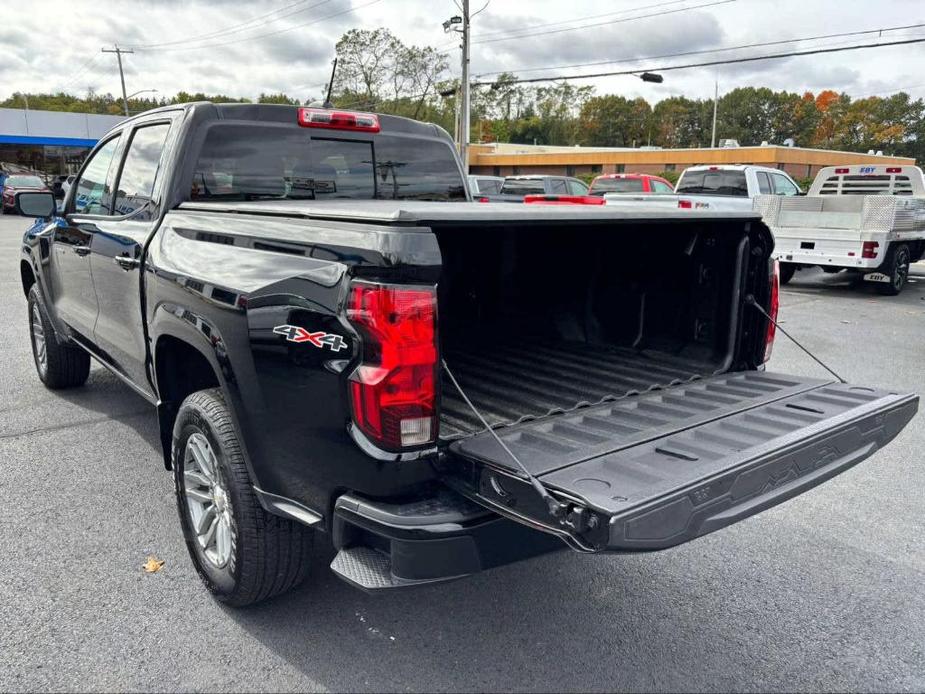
[49, 142]
[502, 159]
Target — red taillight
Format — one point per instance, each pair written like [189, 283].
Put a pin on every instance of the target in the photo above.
[869, 249]
[483, 199]
[773, 308]
[894, 169]
[338, 120]
[842, 171]
[563, 200]
[685, 204]
[394, 391]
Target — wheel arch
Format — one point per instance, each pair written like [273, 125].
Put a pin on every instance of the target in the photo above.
[26, 275]
[180, 369]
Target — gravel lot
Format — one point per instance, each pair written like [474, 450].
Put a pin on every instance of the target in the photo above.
[822, 593]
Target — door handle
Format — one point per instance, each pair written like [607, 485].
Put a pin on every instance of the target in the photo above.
[82, 250]
[126, 263]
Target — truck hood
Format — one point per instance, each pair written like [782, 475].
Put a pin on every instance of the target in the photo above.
[415, 213]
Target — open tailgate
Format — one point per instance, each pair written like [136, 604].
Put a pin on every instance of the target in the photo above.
[659, 469]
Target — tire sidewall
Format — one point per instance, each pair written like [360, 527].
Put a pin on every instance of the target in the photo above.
[901, 257]
[221, 581]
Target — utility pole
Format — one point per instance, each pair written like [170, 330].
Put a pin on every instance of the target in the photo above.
[119, 51]
[464, 124]
[715, 104]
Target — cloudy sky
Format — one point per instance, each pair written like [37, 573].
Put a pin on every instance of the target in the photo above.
[244, 47]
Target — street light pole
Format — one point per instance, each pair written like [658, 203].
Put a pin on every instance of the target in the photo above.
[464, 125]
[715, 103]
[119, 51]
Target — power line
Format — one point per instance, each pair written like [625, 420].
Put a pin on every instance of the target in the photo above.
[707, 51]
[581, 19]
[243, 26]
[598, 24]
[245, 39]
[667, 68]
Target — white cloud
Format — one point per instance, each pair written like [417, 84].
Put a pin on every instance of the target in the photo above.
[56, 44]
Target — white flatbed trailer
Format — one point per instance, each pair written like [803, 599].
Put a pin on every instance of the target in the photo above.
[867, 219]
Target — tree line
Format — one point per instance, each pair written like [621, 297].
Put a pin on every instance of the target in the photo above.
[378, 72]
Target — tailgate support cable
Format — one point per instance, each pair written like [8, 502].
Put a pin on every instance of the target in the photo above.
[556, 508]
[751, 301]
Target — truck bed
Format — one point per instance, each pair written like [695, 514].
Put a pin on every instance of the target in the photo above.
[514, 382]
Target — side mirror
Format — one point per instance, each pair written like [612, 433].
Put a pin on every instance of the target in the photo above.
[36, 204]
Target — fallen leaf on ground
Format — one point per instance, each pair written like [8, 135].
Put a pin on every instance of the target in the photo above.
[153, 565]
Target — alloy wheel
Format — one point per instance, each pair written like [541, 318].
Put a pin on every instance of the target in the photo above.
[38, 340]
[208, 502]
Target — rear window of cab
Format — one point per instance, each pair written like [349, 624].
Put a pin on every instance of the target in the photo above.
[265, 161]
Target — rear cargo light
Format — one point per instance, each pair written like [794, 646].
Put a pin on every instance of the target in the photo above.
[338, 120]
[842, 171]
[773, 308]
[393, 392]
[894, 169]
[869, 249]
[685, 205]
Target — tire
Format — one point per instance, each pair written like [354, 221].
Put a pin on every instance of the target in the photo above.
[897, 267]
[58, 364]
[786, 272]
[245, 555]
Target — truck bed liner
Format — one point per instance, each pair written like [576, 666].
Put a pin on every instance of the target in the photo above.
[513, 382]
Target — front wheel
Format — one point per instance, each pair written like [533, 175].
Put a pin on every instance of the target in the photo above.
[242, 553]
[897, 268]
[59, 364]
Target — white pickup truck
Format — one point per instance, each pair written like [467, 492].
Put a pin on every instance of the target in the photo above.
[728, 188]
[867, 219]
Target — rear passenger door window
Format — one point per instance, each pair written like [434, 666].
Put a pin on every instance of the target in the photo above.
[764, 183]
[92, 195]
[139, 172]
[557, 185]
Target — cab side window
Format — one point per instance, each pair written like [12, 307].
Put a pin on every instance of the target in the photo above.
[661, 188]
[139, 173]
[783, 185]
[92, 197]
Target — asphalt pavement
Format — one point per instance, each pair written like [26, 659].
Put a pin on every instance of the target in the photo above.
[824, 592]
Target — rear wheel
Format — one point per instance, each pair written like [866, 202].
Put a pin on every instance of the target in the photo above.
[242, 553]
[59, 365]
[897, 268]
[786, 272]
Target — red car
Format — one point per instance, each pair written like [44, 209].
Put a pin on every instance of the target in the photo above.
[19, 183]
[632, 183]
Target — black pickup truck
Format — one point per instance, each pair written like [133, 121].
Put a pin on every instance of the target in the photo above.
[338, 341]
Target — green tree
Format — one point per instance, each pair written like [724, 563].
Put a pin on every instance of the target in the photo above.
[614, 121]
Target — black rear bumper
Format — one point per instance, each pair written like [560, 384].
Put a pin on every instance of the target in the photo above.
[438, 537]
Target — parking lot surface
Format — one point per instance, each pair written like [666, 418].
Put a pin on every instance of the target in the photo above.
[821, 593]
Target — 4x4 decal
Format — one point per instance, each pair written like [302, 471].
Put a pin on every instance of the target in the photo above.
[321, 339]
